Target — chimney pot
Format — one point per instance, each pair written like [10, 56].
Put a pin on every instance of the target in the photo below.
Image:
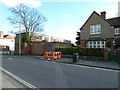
[103, 14]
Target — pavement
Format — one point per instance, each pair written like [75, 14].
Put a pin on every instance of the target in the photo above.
[91, 63]
[8, 82]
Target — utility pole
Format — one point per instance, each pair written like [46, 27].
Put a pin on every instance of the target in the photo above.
[19, 38]
[20, 35]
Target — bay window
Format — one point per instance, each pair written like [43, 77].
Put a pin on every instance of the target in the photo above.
[95, 44]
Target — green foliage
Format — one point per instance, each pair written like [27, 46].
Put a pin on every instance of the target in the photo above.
[82, 51]
[25, 39]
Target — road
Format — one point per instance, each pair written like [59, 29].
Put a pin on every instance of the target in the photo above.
[46, 74]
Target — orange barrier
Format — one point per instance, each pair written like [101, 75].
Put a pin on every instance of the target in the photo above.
[52, 55]
[59, 55]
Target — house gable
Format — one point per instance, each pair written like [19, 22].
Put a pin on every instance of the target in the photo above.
[106, 28]
[91, 16]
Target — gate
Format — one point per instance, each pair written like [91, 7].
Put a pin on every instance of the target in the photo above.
[113, 56]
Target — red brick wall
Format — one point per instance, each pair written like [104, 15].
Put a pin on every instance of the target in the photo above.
[37, 48]
[25, 49]
[82, 43]
[106, 52]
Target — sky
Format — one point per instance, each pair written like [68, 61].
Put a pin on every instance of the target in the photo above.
[65, 17]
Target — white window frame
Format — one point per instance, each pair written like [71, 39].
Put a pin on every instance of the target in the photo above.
[94, 44]
[95, 29]
[117, 31]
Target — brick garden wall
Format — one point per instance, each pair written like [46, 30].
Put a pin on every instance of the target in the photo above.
[106, 52]
[33, 49]
[25, 49]
[106, 55]
[38, 48]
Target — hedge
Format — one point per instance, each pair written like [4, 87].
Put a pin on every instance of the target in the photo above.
[82, 51]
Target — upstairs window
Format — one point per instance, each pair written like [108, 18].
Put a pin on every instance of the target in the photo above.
[95, 29]
[117, 30]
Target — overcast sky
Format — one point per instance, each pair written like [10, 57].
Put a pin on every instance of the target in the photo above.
[64, 17]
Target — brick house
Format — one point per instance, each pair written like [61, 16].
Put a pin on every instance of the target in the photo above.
[98, 31]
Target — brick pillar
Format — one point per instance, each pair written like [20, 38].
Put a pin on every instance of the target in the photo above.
[106, 52]
[118, 53]
[82, 43]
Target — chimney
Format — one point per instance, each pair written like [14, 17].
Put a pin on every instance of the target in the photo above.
[103, 14]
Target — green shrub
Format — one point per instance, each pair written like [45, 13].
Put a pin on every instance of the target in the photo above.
[82, 51]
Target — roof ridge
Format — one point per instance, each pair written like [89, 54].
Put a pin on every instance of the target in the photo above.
[113, 18]
[8, 37]
[99, 16]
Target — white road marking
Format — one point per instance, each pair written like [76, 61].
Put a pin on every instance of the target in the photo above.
[53, 62]
[92, 67]
[47, 61]
[10, 58]
[19, 79]
[50, 61]
[89, 67]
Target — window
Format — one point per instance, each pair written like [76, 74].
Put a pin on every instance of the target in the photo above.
[37, 37]
[95, 44]
[12, 41]
[95, 29]
[117, 30]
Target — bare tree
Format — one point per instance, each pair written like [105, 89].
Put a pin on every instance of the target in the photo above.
[30, 19]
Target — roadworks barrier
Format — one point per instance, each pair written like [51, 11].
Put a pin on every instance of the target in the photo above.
[52, 55]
